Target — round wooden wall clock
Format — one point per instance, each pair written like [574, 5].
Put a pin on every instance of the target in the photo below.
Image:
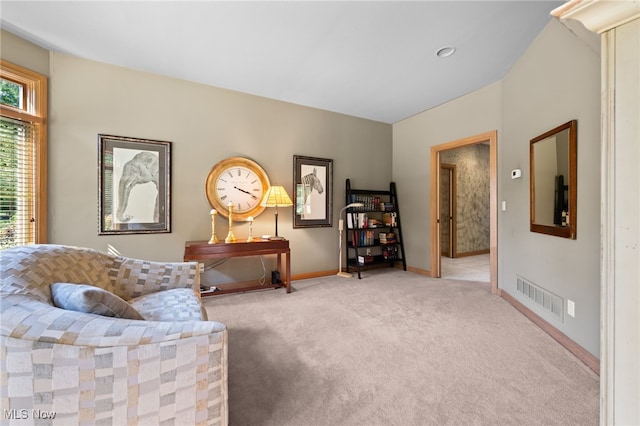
[239, 181]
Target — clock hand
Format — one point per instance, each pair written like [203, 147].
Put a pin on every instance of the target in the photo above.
[246, 192]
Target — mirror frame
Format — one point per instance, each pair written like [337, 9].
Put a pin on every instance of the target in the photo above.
[558, 231]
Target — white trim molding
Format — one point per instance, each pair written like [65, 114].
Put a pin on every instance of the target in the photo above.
[599, 15]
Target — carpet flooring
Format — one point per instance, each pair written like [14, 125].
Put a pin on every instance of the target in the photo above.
[396, 348]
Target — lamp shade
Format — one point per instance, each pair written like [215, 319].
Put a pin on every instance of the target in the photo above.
[276, 196]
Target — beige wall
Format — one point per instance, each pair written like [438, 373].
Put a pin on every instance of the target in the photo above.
[205, 125]
[557, 79]
[20, 52]
[473, 114]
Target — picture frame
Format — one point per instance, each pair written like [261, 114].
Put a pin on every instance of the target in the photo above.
[134, 185]
[312, 192]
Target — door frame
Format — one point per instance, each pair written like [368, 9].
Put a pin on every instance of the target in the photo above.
[488, 137]
[453, 209]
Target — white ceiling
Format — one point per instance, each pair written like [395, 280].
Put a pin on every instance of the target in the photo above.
[373, 60]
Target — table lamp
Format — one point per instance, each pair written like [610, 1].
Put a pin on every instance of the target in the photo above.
[341, 228]
[276, 197]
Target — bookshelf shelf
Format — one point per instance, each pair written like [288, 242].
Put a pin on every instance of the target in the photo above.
[374, 232]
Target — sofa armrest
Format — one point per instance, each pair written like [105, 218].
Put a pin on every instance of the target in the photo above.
[133, 277]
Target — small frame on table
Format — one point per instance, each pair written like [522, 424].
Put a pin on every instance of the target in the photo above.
[134, 185]
[313, 192]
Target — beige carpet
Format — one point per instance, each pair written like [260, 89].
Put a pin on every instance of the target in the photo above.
[396, 348]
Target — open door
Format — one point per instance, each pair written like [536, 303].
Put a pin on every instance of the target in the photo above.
[448, 210]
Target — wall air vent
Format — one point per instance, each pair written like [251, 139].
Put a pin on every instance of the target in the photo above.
[541, 296]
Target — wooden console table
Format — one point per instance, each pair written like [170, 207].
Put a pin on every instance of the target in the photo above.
[201, 250]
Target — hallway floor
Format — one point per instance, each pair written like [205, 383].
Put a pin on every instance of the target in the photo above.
[470, 268]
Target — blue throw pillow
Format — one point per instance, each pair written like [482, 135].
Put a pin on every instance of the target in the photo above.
[92, 300]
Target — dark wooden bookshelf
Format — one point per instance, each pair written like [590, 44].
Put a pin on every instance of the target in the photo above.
[379, 216]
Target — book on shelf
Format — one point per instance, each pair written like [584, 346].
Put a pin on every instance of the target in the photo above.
[369, 202]
[390, 219]
[374, 223]
[357, 220]
[387, 238]
[362, 238]
[363, 260]
[386, 207]
[390, 253]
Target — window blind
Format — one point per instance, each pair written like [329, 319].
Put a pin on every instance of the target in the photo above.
[18, 186]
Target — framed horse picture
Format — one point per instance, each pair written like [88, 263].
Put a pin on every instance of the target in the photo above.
[134, 185]
[313, 192]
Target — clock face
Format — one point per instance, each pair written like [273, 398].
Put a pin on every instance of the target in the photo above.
[240, 186]
[238, 181]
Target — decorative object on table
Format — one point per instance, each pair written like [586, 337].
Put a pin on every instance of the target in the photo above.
[214, 239]
[134, 181]
[276, 197]
[240, 181]
[340, 229]
[230, 237]
[313, 192]
[250, 219]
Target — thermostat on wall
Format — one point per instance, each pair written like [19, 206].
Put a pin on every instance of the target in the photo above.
[516, 173]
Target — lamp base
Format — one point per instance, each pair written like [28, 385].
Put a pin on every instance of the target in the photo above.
[276, 238]
[344, 274]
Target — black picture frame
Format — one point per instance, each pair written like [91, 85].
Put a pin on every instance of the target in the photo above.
[145, 195]
[312, 207]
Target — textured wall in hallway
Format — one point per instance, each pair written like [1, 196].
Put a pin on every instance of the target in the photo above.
[472, 165]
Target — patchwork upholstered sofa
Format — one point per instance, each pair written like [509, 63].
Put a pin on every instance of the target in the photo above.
[82, 368]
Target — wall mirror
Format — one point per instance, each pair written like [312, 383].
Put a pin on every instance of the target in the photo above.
[553, 192]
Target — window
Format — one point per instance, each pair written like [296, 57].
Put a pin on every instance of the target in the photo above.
[23, 150]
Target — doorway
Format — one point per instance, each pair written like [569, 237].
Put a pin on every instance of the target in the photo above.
[489, 138]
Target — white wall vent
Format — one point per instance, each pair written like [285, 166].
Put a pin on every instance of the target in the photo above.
[543, 297]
